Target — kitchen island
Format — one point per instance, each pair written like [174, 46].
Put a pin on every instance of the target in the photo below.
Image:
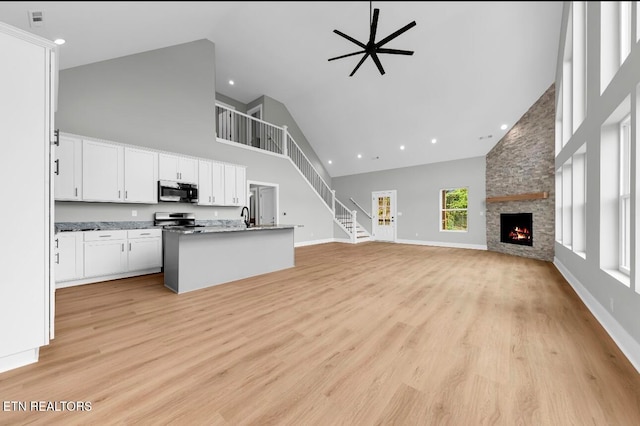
[196, 258]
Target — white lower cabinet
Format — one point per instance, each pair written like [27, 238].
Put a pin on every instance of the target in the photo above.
[104, 253]
[92, 256]
[144, 249]
[69, 256]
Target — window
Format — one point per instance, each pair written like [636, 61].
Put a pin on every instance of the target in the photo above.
[625, 30]
[453, 209]
[625, 196]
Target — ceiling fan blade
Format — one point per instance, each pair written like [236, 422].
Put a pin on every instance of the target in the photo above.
[374, 56]
[359, 63]
[395, 51]
[374, 26]
[396, 34]
[351, 39]
[347, 55]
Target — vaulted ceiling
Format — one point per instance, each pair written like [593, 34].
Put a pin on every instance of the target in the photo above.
[476, 66]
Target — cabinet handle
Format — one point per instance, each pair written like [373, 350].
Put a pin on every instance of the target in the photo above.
[146, 233]
[104, 236]
[209, 198]
[129, 246]
[214, 199]
[57, 171]
[118, 194]
[76, 192]
[122, 247]
[56, 243]
[126, 194]
[56, 135]
[57, 258]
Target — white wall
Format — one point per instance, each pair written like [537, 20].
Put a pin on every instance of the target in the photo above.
[616, 304]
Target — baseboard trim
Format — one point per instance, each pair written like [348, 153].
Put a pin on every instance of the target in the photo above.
[627, 344]
[20, 359]
[313, 242]
[443, 244]
[90, 280]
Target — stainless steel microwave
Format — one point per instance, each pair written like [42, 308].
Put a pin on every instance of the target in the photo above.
[178, 192]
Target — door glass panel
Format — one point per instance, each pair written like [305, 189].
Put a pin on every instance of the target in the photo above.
[384, 210]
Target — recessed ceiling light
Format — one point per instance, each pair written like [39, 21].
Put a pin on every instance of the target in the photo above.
[359, 155]
[330, 162]
[503, 127]
[402, 147]
[433, 140]
[59, 41]
[231, 82]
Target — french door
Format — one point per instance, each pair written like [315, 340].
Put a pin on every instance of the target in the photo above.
[383, 215]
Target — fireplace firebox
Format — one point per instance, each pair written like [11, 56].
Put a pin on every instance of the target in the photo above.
[516, 228]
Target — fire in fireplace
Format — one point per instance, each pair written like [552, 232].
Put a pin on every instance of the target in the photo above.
[516, 228]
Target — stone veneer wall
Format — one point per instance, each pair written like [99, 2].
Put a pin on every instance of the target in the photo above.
[523, 162]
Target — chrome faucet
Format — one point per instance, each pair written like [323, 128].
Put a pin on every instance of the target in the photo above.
[246, 218]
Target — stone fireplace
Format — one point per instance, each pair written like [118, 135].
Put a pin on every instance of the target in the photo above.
[525, 185]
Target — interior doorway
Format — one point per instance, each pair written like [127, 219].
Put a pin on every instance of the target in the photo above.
[383, 215]
[263, 203]
[254, 129]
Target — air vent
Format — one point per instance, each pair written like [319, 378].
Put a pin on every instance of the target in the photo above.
[36, 18]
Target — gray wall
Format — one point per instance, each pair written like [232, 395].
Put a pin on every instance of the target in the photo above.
[164, 99]
[418, 190]
[240, 107]
[277, 113]
[622, 303]
[522, 162]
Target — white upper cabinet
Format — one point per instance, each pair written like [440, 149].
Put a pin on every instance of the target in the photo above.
[87, 169]
[241, 185]
[235, 182]
[217, 188]
[102, 171]
[205, 183]
[67, 169]
[177, 168]
[140, 176]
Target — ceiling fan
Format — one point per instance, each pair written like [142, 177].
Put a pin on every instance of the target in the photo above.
[371, 48]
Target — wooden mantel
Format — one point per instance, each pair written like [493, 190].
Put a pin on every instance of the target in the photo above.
[519, 197]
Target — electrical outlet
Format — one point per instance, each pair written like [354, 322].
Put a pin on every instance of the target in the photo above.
[134, 213]
[215, 213]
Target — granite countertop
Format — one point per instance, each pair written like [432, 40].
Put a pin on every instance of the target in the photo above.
[126, 225]
[230, 228]
[102, 226]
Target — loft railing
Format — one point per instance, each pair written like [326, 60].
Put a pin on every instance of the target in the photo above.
[241, 128]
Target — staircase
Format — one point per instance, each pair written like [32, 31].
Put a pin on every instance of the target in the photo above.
[246, 130]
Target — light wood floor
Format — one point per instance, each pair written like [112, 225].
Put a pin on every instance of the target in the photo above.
[363, 334]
